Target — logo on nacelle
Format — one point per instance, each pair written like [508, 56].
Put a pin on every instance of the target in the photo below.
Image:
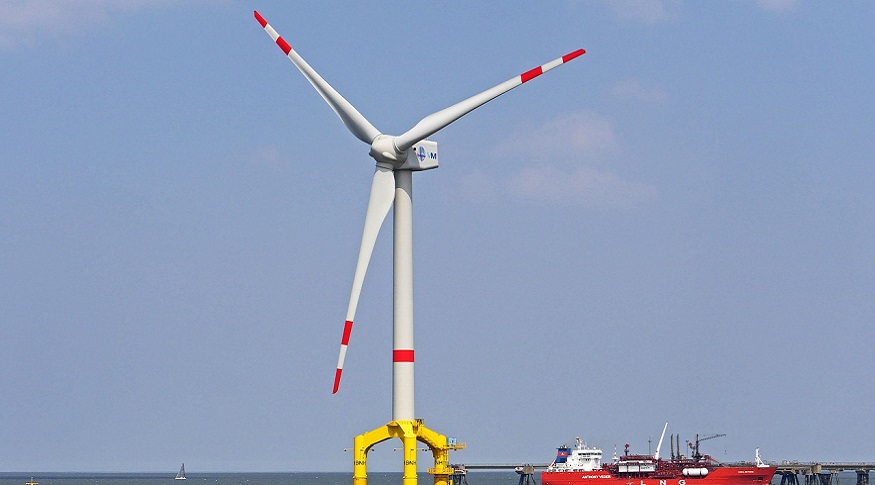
[421, 156]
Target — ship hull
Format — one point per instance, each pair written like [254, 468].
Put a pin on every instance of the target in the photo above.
[724, 475]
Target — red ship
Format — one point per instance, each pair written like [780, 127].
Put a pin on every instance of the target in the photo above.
[582, 465]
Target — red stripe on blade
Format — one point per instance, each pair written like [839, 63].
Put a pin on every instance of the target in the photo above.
[347, 329]
[283, 45]
[336, 381]
[532, 74]
[260, 19]
[402, 355]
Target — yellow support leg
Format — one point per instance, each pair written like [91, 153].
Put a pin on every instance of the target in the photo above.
[408, 437]
[361, 445]
[440, 448]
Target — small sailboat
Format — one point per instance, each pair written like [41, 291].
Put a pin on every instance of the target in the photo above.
[181, 474]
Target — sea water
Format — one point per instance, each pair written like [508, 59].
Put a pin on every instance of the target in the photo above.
[507, 477]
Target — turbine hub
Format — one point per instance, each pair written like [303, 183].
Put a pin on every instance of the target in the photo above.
[383, 151]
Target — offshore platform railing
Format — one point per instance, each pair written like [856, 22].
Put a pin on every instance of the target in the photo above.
[822, 473]
[526, 471]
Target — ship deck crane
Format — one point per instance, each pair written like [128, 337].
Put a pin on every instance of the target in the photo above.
[696, 455]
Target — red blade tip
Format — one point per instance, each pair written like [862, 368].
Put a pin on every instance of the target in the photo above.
[260, 19]
[572, 55]
[336, 381]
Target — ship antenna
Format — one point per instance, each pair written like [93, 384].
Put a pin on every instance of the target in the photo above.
[656, 455]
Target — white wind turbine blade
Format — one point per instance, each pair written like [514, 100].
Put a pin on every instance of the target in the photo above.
[382, 196]
[436, 121]
[354, 121]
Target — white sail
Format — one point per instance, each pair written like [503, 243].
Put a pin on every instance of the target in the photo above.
[181, 474]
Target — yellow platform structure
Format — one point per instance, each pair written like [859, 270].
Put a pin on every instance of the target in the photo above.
[409, 432]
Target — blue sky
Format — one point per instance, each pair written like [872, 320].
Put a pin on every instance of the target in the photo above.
[676, 227]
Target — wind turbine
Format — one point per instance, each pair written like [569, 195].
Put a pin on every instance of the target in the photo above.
[397, 157]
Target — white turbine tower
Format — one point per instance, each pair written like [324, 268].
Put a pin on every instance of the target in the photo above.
[397, 158]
